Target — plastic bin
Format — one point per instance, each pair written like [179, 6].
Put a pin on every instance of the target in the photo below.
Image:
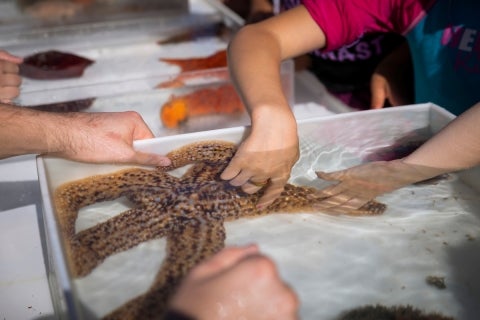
[335, 263]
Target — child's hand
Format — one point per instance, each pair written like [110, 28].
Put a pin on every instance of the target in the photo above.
[392, 80]
[10, 80]
[265, 159]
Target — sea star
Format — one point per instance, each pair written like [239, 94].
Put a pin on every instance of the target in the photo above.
[189, 211]
[400, 312]
[52, 65]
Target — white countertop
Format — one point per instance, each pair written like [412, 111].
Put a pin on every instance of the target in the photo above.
[24, 290]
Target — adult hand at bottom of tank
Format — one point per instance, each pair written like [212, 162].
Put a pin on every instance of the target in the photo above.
[225, 280]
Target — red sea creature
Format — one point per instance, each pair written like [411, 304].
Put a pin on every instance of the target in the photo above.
[54, 65]
[66, 106]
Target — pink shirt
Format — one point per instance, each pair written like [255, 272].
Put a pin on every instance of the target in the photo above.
[344, 21]
[443, 36]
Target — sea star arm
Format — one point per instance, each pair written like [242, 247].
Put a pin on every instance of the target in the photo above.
[211, 151]
[90, 247]
[190, 244]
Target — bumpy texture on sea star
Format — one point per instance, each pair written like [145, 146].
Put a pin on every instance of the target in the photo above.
[189, 211]
[400, 312]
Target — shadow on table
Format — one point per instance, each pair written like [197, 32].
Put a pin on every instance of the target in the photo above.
[16, 194]
[46, 317]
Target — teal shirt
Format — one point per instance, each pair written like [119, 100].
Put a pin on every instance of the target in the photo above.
[445, 48]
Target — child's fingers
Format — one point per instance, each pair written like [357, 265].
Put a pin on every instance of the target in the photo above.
[378, 91]
[4, 55]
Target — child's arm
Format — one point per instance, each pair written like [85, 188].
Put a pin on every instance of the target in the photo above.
[254, 58]
[454, 148]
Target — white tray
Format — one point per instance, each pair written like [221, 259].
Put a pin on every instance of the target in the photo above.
[335, 263]
[125, 51]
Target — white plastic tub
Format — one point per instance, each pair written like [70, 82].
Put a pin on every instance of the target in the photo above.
[335, 263]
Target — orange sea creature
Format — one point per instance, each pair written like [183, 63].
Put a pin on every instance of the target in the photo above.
[216, 60]
[221, 100]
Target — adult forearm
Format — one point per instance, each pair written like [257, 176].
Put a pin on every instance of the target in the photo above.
[24, 131]
[103, 137]
[454, 148]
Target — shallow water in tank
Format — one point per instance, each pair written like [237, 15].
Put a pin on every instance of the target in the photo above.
[336, 263]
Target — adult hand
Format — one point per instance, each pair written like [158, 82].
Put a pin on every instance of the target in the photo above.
[100, 138]
[358, 185]
[265, 159]
[10, 80]
[236, 283]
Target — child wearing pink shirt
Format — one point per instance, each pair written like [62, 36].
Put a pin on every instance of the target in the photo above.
[346, 71]
[444, 40]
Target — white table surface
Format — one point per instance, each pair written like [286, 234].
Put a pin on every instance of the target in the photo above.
[24, 290]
